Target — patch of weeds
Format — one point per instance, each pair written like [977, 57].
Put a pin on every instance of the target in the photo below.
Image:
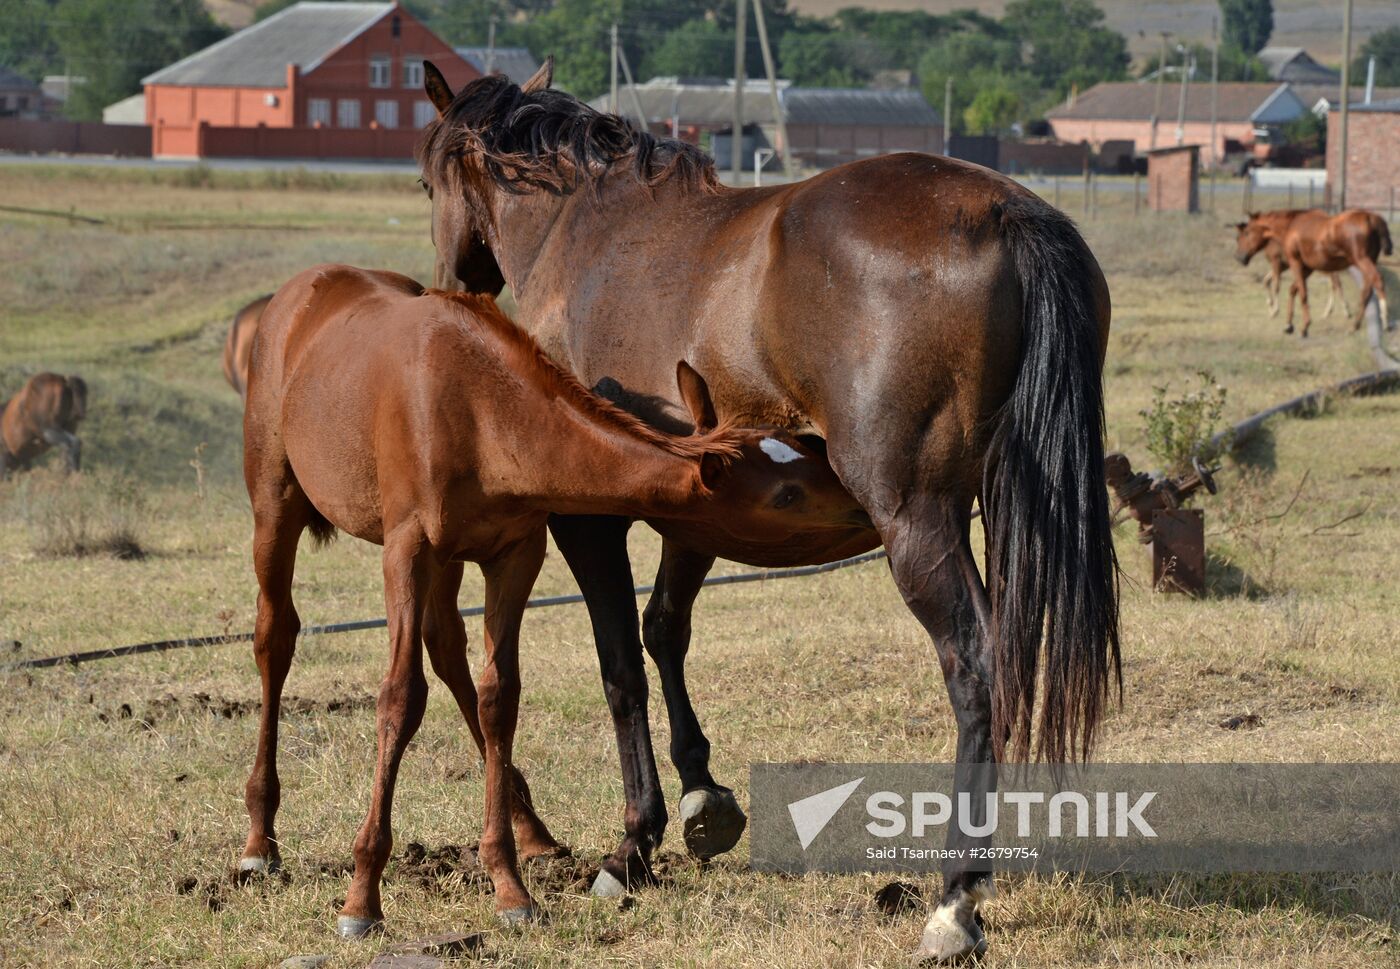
[73, 516]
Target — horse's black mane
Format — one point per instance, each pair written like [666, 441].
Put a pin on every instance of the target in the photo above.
[550, 140]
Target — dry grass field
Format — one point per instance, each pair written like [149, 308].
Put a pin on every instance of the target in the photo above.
[121, 808]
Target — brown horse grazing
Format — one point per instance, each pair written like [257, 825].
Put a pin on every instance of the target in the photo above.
[1312, 241]
[428, 423]
[44, 414]
[1273, 279]
[936, 328]
[238, 348]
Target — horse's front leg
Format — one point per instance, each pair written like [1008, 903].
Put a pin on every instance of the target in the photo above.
[712, 818]
[595, 548]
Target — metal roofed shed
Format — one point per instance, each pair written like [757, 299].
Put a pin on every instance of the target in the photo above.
[516, 63]
[258, 56]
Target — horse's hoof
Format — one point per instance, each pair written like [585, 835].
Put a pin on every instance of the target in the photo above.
[713, 821]
[257, 865]
[606, 885]
[355, 927]
[518, 916]
[946, 940]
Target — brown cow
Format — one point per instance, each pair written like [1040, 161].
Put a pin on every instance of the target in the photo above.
[238, 348]
[43, 414]
[1316, 242]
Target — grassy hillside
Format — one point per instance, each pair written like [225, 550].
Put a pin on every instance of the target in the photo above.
[121, 781]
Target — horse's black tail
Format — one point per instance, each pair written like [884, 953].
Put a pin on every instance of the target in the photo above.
[1053, 573]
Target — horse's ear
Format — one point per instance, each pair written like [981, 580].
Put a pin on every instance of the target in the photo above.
[542, 78]
[435, 86]
[695, 394]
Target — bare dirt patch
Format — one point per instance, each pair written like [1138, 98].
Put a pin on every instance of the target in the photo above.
[173, 707]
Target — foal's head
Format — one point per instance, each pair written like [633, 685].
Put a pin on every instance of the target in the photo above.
[780, 485]
[1250, 237]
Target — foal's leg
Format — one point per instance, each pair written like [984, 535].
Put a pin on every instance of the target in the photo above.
[1303, 273]
[445, 635]
[1371, 282]
[595, 547]
[402, 696]
[712, 818]
[509, 579]
[280, 513]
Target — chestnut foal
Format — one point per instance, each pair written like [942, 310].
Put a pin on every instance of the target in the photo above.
[428, 423]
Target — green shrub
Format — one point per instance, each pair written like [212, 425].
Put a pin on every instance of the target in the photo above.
[1182, 428]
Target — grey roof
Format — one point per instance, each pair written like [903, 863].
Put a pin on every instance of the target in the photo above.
[10, 80]
[1236, 101]
[1313, 94]
[857, 106]
[516, 63]
[708, 102]
[1388, 106]
[257, 56]
[1295, 64]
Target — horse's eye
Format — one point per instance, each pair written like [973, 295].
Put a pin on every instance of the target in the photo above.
[787, 496]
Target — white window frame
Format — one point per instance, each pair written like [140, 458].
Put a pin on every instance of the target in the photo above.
[424, 113]
[318, 111]
[413, 73]
[381, 71]
[386, 113]
[347, 113]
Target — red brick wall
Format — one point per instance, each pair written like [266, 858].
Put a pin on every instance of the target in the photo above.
[1172, 178]
[75, 137]
[1140, 133]
[1373, 158]
[180, 105]
[345, 74]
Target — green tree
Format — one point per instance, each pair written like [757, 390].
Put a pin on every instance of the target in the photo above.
[697, 48]
[1384, 46]
[815, 58]
[1235, 64]
[115, 43]
[1069, 45]
[975, 61]
[27, 46]
[1247, 23]
[992, 111]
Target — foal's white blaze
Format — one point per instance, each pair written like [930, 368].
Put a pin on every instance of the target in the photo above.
[777, 451]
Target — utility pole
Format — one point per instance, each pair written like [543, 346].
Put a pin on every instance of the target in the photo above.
[1346, 98]
[1214, 99]
[1157, 102]
[632, 88]
[1181, 100]
[948, 116]
[612, 72]
[491, 44]
[789, 166]
[736, 131]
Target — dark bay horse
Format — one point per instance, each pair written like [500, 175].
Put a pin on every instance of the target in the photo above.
[238, 347]
[937, 329]
[1313, 241]
[44, 414]
[430, 424]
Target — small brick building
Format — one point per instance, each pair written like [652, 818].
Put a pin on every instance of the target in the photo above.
[1173, 179]
[353, 70]
[1373, 155]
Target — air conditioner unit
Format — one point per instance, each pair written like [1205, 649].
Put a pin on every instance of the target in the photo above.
[270, 100]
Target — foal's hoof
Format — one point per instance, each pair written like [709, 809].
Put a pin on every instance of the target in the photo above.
[713, 821]
[257, 865]
[355, 927]
[606, 885]
[518, 916]
[946, 940]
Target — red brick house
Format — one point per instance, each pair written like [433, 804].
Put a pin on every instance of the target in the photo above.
[1373, 156]
[315, 79]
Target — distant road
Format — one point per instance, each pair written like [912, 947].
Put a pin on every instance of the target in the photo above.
[229, 164]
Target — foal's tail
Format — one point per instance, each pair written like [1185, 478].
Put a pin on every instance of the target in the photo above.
[1383, 230]
[1053, 573]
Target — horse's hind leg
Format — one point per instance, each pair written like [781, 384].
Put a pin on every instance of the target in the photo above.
[445, 636]
[595, 546]
[280, 512]
[72, 447]
[1371, 282]
[711, 816]
[403, 694]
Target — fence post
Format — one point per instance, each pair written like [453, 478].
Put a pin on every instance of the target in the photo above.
[1057, 191]
[1137, 197]
[1311, 185]
[1086, 187]
[1392, 204]
[1248, 192]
